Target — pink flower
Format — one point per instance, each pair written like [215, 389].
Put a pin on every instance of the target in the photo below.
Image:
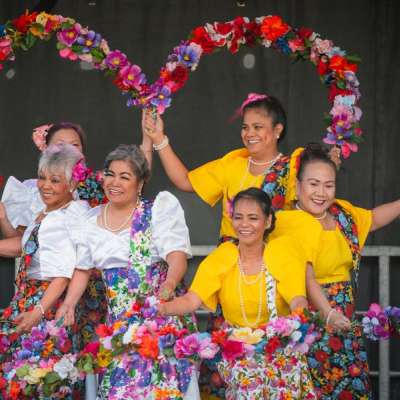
[68, 53]
[187, 346]
[92, 348]
[39, 136]
[116, 59]
[233, 349]
[132, 76]
[322, 46]
[80, 171]
[208, 349]
[69, 36]
[296, 45]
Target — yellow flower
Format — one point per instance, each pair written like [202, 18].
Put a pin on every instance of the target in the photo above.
[104, 357]
[110, 293]
[39, 372]
[42, 18]
[117, 325]
[247, 335]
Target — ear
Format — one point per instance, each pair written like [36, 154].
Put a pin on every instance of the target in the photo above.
[278, 129]
[268, 222]
[72, 186]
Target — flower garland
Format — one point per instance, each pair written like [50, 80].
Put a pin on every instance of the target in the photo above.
[381, 323]
[336, 69]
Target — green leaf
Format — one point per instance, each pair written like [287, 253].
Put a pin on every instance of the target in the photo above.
[30, 40]
[354, 59]
[341, 84]
[23, 371]
[98, 54]
[51, 378]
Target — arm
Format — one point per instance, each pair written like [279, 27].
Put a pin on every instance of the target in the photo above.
[385, 214]
[26, 320]
[10, 247]
[333, 318]
[177, 267]
[181, 305]
[147, 144]
[7, 230]
[76, 288]
[174, 168]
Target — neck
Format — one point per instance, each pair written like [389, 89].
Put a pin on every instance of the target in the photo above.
[60, 205]
[122, 208]
[251, 252]
[266, 155]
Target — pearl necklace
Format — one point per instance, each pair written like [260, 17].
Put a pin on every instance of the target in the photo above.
[241, 297]
[319, 218]
[105, 223]
[264, 162]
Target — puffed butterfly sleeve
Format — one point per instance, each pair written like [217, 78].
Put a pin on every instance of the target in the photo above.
[21, 200]
[58, 251]
[169, 230]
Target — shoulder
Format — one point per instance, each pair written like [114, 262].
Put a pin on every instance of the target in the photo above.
[77, 208]
[235, 155]
[222, 258]
[165, 202]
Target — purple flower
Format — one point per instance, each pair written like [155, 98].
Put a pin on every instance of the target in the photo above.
[132, 76]
[133, 279]
[166, 341]
[88, 41]
[119, 377]
[187, 346]
[116, 59]
[162, 100]
[68, 36]
[24, 354]
[189, 55]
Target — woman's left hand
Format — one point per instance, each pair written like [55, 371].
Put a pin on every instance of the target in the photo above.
[27, 320]
[166, 291]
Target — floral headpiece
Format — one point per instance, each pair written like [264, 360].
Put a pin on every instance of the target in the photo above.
[80, 171]
[39, 136]
[251, 98]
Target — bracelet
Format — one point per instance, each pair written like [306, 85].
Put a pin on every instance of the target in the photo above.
[329, 315]
[162, 145]
[40, 307]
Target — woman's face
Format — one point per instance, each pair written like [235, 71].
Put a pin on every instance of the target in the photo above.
[317, 188]
[258, 133]
[54, 189]
[120, 183]
[249, 222]
[68, 136]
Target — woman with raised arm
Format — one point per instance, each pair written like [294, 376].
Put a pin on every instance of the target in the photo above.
[141, 248]
[21, 201]
[47, 263]
[338, 361]
[254, 281]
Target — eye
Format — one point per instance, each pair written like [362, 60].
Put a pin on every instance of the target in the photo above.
[55, 180]
[108, 173]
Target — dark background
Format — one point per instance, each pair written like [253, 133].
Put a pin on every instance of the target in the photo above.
[46, 89]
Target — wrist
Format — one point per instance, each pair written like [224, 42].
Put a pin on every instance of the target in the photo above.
[329, 316]
[40, 309]
[159, 140]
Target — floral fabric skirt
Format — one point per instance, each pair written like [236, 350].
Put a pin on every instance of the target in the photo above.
[338, 362]
[150, 374]
[11, 343]
[277, 377]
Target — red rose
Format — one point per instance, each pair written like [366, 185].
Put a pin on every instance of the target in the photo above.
[273, 27]
[335, 343]
[233, 349]
[305, 33]
[202, 38]
[321, 356]
[22, 23]
[345, 395]
[252, 31]
[272, 345]
[278, 201]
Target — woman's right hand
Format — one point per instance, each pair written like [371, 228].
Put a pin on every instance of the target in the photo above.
[67, 312]
[153, 126]
[338, 322]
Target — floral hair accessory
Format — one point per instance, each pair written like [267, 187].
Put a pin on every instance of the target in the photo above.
[39, 136]
[251, 98]
[80, 171]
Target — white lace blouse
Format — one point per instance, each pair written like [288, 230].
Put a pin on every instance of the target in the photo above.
[104, 249]
[56, 255]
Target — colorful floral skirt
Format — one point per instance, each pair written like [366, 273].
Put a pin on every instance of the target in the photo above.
[338, 361]
[11, 343]
[146, 375]
[277, 377]
[92, 309]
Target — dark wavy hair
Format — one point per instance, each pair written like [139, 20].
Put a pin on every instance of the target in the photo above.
[262, 199]
[314, 152]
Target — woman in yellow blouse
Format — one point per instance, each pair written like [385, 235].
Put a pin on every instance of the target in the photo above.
[338, 361]
[237, 277]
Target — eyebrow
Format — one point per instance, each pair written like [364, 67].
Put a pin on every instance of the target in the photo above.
[121, 173]
[318, 180]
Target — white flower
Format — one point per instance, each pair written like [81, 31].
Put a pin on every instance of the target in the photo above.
[129, 334]
[64, 367]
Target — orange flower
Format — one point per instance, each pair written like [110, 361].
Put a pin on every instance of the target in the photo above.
[166, 394]
[48, 348]
[14, 390]
[149, 347]
[339, 64]
[165, 330]
[273, 27]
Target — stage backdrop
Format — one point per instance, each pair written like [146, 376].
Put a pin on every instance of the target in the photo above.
[42, 88]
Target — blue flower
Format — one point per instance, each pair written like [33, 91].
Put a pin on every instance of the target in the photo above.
[119, 377]
[358, 384]
[2, 30]
[283, 46]
[145, 379]
[312, 362]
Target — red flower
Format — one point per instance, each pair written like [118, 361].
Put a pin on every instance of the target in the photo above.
[233, 349]
[202, 38]
[345, 395]
[28, 260]
[15, 390]
[149, 347]
[218, 337]
[3, 382]
[223, 28]
[103, 330]
[273, 27]
[272, 345]
[92, 348]
[65, 347]
[176, 79]
[22, 23]
[305, 33]
[321, 356]
[354, 370]
[7, 312]
[335, 91]
[322, 67]
[1, 181]
[339, 64]
[271, 177]
[327, 388]
[278, 201]
[349, 310]
[252, 31]
[335, 343]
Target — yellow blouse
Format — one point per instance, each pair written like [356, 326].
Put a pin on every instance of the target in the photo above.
[216, 280]
[225, 177]
[327, 250]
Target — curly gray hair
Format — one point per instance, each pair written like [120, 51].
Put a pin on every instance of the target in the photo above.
[57, 158]
[134, 156]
